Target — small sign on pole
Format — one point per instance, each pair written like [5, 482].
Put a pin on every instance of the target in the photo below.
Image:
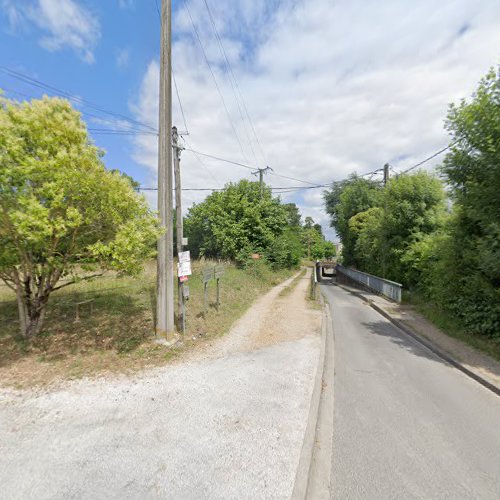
[184, 269]
[208, 274]
[218, 271]
[184, 242]
[184, 256]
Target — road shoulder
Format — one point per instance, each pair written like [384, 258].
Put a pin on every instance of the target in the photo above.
[470, 361]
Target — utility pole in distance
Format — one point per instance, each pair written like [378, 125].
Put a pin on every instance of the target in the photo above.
[386, 173]
[165, 263]
[260, 172]
[178, 220]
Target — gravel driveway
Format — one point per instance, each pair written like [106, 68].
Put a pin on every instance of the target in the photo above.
[227, 422]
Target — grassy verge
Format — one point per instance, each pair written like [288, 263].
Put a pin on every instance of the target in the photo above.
[289, 288]
[114, 332]
[452, 327]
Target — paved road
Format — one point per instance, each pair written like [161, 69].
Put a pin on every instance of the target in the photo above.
[406, 425]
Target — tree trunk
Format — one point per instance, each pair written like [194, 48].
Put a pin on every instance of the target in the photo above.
[23, 313]
[31, 313]
[34, 323]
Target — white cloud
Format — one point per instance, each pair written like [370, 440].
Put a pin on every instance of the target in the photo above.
[125, 4]
[331, 87]
[65, 24]
[122, 58]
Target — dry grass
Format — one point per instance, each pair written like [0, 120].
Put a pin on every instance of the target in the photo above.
[288, 289]
[117, 335]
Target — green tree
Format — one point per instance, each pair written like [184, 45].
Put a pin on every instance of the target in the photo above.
[344, 200]
[60, 209]
[413, 207]
[286, 250]
[472, 250]
[366, 226]
[293, 214]
[235, 222]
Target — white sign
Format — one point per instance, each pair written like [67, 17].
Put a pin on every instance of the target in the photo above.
[184, 242]
[184, 269]
[184, 257]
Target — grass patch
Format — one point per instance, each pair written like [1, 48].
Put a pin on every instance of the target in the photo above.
[452, 327]
[115, 331]
[289, 288]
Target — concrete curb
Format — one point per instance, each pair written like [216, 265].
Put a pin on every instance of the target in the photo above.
[426, 343]
[319, 486]
[301, 482]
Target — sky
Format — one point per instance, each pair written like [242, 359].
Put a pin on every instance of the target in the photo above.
[314, 89]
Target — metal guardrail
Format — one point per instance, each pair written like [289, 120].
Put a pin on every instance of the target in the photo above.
[390, 289]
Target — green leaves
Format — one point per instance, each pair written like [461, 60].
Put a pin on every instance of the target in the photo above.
[235, 220]
[59, 206]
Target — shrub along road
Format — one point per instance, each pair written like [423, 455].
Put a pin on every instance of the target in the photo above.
[226, 421]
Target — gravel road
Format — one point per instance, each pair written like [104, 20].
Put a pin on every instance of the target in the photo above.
[226, 423]
[406, 424]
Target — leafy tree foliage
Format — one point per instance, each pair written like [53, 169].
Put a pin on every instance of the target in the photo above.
[472, 249]
[405, 234]
[344, 200]
[239, 221]
[293, 214]
[413, 206]
[235, 222]
[410, 207]
[60, 209]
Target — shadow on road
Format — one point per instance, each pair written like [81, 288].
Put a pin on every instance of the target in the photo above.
[401, 340]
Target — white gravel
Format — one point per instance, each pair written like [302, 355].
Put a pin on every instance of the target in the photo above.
[215, 428]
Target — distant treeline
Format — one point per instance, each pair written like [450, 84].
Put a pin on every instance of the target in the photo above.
[242, 220]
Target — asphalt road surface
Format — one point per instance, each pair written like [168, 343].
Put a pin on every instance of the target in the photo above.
[406, 425]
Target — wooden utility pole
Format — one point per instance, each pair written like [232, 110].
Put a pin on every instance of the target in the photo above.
[179, 221]
[386, 173]
[165, 264]
[261, 172]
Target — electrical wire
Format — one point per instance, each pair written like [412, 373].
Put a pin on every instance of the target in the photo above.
[105, 131]
[200, 161]
[84, 102]
[293, 178]
[437, 153]
[214, 79]
[186, 129]
[230, 70]
[213, 157]
[232, 78]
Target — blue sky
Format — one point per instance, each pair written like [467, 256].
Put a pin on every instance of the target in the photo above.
[331, 87]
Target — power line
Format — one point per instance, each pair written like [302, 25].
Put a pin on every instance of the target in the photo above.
[231, 73]
[201, 162]
[105, 131]
[129, 128]
[293, 178]
[39, 84]
[232, 78]
[284, 189]
[180, 102]
[220, 159]
[214, 78]
[428, 158]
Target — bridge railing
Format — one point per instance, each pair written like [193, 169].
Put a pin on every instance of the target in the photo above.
[389, 289]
